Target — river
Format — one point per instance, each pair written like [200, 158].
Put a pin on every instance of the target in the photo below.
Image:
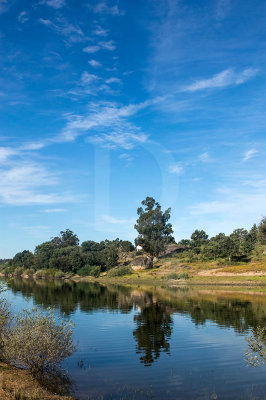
[136, 342]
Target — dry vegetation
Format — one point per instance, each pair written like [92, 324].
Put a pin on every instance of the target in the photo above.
[17, 384]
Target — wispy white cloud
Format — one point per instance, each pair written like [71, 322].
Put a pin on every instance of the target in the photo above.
[238, 205]
[109, 45]
[86, 78]
[127, 157]
[256, 183]
[113, 80]
[118, 221]
[225, 78]
[37, 231]
[55, 210]
[233, 208]
[111, 123]
[114, 140]
[204, 157]
[99, 31]
[28, 184]
[73, 33]
[103, 8]
[55, 3]
[5, 153]
[91, 49]
[176, 169]
[94, 63]
[23, 17]
[88, 85]
[107, 125]
[211, 207]
[249, 154]
[34, 145]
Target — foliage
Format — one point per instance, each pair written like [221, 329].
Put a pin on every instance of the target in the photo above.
[119, 271]
[49, 273]
[4, 319]
[23, 259]
[154, 230]
[184, 242]
[175, 276]
[63, 253]
[91, 246]
[111, 257]
[18, 271]
[90, 270]
[172, 275]
[262, 231]
[43, 253]
[256, 353]
[29, 272]
[65, 239]
[198, 239]
[67, 259]
[38, 341]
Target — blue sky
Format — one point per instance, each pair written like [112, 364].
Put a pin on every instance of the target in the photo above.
[105, 102]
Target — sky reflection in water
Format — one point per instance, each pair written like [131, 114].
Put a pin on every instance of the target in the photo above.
[159, 343]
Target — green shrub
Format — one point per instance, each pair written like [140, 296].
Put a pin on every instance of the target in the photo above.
[90, 270]
[59, 274]
[183, 275]
[49, 273]
[37, 341]
[5, 271]
[18, 271]
[4, 320]
[119, 271]
[175, 276]
[9, 270]
[29, 272]
[41, 273]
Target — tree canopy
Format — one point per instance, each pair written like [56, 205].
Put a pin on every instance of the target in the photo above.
[262, 231]
[154, 230]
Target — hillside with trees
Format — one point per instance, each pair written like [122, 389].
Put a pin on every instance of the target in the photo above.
[63, 255]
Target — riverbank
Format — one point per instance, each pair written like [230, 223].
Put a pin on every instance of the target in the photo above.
[153, 278]
[248, 281]
[172, 271]
[18, 384]
[169, 271]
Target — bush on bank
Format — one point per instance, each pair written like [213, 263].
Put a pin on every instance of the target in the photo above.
[90, 270]
[119, 271]
[34, 339]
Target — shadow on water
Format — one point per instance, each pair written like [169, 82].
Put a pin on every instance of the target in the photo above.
[56, 381]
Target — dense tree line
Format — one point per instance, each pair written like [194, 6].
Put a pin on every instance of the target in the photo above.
[238, 246]
[63, 253]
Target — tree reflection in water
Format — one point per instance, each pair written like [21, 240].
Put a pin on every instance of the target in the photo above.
[154, 328]
[56, 381]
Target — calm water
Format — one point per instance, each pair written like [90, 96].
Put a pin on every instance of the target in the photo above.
[154, 343]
